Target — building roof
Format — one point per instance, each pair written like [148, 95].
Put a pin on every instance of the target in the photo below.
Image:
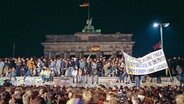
[89, 37]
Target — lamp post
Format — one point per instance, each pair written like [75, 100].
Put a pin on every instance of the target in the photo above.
[161, 40]
[161, 31]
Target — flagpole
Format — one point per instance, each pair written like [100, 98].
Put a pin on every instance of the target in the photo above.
[88, 9]
[88, 13]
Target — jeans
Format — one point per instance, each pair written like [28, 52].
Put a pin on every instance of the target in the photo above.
[28, 73]
[70, 69]
[137, 81]
[45, 78]
[18, 71]
[80, 78]
[122, 76]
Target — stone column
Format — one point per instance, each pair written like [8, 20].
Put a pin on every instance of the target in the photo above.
[62, 55]
[81, 54]
[50, 55]
[77, 54]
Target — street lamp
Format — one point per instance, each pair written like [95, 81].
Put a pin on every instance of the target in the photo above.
[161, 30]
[161, 38]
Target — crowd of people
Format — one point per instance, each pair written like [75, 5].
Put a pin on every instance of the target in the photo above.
[94, 95]
[56, 67]
[79, 69]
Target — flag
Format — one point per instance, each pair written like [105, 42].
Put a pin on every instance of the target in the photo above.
[157, 46]
[85, 4]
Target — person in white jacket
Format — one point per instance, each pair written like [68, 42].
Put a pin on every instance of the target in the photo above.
[58, 67]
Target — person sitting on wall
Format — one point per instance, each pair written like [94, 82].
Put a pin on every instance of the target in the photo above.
[45, 74]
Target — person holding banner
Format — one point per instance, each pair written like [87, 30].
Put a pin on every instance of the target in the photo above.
[125, 68]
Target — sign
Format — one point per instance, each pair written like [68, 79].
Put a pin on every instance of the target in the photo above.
[147, 64]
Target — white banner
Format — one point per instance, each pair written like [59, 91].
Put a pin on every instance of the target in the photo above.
[147, 64]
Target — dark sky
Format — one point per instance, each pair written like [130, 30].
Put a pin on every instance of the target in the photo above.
[28, 21]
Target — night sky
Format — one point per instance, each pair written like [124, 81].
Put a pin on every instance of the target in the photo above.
[26, 22]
